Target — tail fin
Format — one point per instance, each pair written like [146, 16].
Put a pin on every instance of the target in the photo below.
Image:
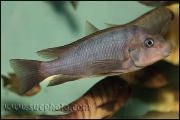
[29, 72]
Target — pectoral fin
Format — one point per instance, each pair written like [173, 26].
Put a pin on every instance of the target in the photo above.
[107, 74]
[107, 66]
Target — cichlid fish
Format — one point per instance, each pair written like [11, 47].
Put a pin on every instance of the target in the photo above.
[158, 20]
[104, 53]
[158, 3]
[99, 102]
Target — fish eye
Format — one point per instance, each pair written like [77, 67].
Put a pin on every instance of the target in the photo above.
[149, 42]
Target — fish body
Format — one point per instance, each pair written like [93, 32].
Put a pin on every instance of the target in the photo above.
[100, 101]
[92, 52]
[158, 20]
[104, 53]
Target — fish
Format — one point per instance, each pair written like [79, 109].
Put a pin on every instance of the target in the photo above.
[150, 77]
[101, 101]
[158, 20]
[14, 86]
[105, 52]
[158, 3]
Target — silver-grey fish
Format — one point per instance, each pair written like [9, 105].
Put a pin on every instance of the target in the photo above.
[105, 53]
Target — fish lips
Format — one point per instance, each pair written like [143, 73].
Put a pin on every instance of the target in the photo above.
[167, 53]
[167, 50]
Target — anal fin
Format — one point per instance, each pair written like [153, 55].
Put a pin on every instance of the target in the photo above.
[59, 79]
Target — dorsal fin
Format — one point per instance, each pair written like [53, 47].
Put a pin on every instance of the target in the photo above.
[51, 53]
[89, 28]
[110, 25]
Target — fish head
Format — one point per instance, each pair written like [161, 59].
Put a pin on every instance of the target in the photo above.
[147, 47]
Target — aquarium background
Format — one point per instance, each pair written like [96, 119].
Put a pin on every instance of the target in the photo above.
[27, 27]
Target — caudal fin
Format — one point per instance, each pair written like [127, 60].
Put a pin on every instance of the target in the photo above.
[29, 72]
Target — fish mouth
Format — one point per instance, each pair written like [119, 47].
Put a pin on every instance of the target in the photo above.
[167, 53]
[167, 50]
